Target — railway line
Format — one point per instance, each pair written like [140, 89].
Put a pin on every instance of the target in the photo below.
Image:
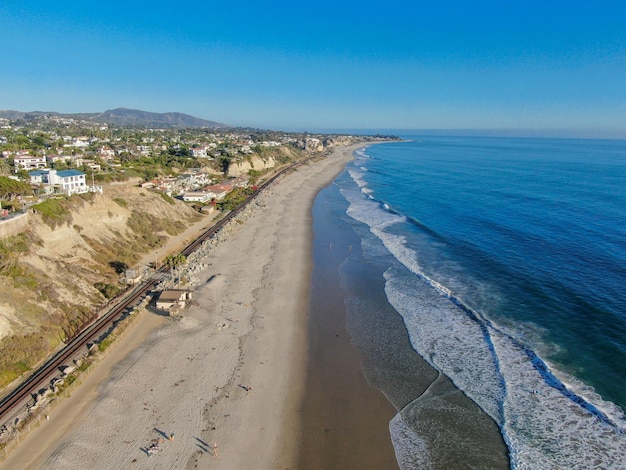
[13, 402]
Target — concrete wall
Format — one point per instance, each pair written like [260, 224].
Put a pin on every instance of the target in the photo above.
[13, 225]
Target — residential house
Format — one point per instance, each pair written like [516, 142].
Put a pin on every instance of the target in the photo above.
[51, 159]
[92, 165]
[106, 153]
[219, 191]
[199, 152]
[149, 184]
[198, 196]
[79, 142]
[270, 143]
[239, 181]
[169, 185]
[27, 162]
[193, 180]
[66, 181]
[144, 150]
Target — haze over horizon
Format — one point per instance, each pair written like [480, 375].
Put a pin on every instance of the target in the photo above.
[556, 67]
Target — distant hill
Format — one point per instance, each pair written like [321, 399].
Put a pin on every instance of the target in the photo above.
[125, 117]
[137, 118]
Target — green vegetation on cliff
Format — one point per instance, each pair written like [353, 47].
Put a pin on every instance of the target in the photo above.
[51, 289]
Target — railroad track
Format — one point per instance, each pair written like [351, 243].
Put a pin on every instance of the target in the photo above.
[40, 378]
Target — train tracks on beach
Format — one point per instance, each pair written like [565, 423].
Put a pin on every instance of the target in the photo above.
[14, 406]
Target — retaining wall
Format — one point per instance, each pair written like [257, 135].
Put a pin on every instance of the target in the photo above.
[13, 225]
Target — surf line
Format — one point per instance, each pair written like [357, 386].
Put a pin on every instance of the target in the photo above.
[539, 365]
[555, 383]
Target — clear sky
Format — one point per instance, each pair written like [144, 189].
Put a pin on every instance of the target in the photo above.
[324, 64]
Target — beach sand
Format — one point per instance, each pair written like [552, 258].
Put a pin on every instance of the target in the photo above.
[220, 387]
[345, 419]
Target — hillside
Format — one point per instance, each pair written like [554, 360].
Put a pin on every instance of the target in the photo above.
[136, 118]
[123, 117]
[54, 274]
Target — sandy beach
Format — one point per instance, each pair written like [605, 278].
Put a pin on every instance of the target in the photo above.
[221, 386]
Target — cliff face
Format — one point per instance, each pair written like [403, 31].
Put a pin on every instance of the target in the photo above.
[254, 162]
[56, 273]
[98, 236]
[267, 157]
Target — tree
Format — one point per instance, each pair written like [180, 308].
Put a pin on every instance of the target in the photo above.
[224, 163]
[22, 141]
[40, 141]
[10, 188]
[174, 262]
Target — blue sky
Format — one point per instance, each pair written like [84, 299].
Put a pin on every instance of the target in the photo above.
[311, 65]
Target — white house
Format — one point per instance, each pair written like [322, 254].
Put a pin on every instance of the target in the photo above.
[193, 179]
[27, 162]
[197, 196]
[106, 152]
[67, 181]
[80, 142]
[199, 152]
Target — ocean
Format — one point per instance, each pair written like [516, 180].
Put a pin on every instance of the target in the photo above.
[485, 287]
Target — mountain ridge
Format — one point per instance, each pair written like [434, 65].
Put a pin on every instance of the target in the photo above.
[124, 117]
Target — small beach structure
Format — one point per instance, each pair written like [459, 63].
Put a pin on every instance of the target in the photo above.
[173, 300]
[133, 276]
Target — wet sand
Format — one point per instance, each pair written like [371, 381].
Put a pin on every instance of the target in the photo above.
[361, 361]
[345, 419]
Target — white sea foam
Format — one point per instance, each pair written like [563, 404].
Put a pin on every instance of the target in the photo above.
[411, 450]
[357, 176]
[448, 339]
[548, 419]
[361, 153]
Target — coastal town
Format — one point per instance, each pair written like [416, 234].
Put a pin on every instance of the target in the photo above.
[66, 156]
[91, 210]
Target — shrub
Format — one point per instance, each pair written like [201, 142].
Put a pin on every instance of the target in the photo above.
[121, 202]
[20, 353]
[10, 250]
[167, 198]
[105, 343]
[54, 212]
[109, 291]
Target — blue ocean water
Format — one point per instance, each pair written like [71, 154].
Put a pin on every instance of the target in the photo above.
[508, 267]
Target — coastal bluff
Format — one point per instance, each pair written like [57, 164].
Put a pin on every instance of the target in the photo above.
[53, 265]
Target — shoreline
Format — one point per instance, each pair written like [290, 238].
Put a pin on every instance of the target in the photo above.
[229, 372]
[345, 416]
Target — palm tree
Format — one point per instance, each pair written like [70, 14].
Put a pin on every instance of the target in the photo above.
[174, 262]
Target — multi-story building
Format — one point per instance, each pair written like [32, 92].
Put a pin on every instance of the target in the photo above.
[65, 181]
[28, 162]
